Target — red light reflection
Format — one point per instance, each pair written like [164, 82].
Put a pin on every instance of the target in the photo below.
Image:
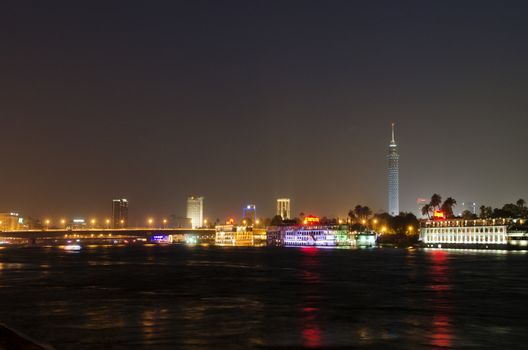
[440, 286]
[311, 330]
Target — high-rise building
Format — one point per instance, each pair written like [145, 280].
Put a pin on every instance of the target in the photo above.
[283, 208]
[119, 213]
[195, 211]
[393, 177]
[249, 212]
[10, 221]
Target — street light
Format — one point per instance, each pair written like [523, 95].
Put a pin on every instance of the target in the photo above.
[150, 221]
[107, 223]
[205, 222]
[164, 223]
[383, 229]
[93, 222]
[122, 222]
[375, 221]
[410, 228]
[47, 222]
[257, 222]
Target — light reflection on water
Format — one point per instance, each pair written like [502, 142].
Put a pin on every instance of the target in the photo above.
[196, 298]
[442, 332]
[311, 330]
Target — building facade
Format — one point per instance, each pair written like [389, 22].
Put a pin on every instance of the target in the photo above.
[195, 211]
[393, 177]
[283, 208]
[10, 221]
[119, 213]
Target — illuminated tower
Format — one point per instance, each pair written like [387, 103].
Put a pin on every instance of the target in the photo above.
[195, 211]
[283, 208]
[119, 213]
[393, 177]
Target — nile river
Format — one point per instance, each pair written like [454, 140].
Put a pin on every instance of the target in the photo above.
[179, 297]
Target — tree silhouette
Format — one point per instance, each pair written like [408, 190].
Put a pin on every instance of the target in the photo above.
[426, 210]
[436, 200]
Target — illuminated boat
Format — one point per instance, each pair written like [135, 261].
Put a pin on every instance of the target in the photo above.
[234, 235]
[365, 239]
[474, 234]
[72, 247]
[313, 233]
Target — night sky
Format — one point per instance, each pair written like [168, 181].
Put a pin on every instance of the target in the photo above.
[246, 101]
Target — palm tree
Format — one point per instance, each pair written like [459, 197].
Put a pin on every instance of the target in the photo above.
[448, 205]
[358, 210]
[351, 215]
[366, 212]
[426, 210]
[436, 200]
[362, 212]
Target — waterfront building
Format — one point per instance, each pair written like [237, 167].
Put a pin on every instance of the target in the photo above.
[234, 235]
[195, 211]
[10, 221]
[78, 223]
[477, 234]
[119, 213]
[249, 212]
[283, 208]
[393, 177]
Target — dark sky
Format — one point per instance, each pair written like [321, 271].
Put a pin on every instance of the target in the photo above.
[246, 101]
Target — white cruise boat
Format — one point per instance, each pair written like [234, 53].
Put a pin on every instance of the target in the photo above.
[474, 234]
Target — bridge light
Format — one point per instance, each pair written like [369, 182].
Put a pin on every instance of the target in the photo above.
[63, 221]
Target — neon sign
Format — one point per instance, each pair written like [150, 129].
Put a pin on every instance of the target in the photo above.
[311, 220]
[438, 215]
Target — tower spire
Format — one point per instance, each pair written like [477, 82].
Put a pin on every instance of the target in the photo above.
[393, 141]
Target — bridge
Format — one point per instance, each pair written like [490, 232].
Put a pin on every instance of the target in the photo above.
[106, 235]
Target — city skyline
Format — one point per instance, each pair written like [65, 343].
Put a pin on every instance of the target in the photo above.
[299, 174]
[175, 107]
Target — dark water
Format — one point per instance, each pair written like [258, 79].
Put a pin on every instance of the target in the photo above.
[237, 298]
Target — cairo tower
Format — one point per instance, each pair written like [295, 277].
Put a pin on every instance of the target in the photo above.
[393, 177]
